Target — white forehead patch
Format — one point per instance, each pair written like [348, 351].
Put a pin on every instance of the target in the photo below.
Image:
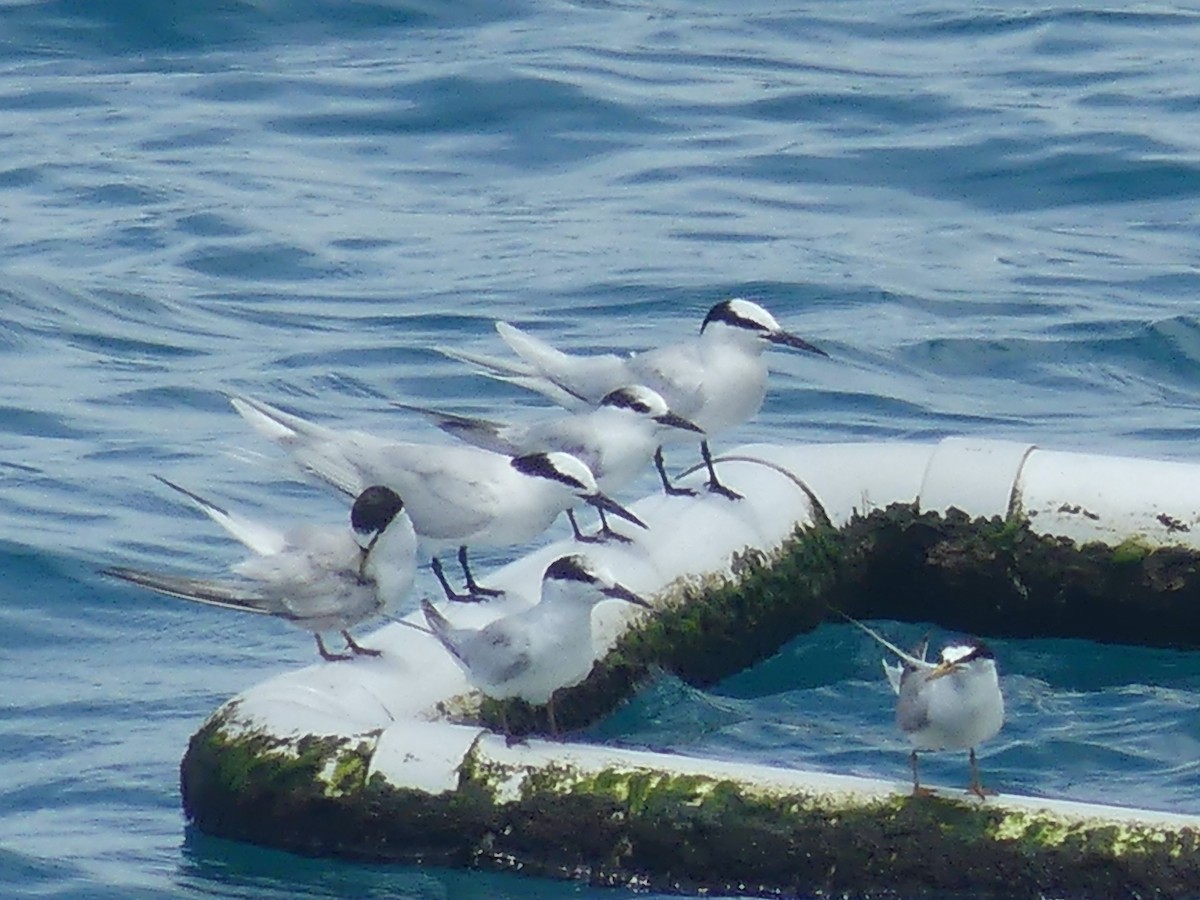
[955, 652]
[747, 309]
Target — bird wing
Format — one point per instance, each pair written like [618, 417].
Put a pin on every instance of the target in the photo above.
[895, 672]
[316, 576]
[261, 538]
[585, 378]
[498, 654]
[676, 372]
[495, 436]
[210, 593]
[519, 373]
[912, 661]
[912, 708]
[317, 450]
[441, 628]
[450, 492]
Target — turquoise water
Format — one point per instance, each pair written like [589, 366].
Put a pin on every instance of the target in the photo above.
[987, 215]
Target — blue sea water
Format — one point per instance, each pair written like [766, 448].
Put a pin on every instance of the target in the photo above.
[987, 214]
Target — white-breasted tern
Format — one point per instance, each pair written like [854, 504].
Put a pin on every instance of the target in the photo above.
[319, 578]
[716, 380]
[456, 496]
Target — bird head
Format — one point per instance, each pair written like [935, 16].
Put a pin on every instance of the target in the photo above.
[373, 512]
[745, 320]
[645, 402]
[588, 580]
[572, 473]
[962, 657]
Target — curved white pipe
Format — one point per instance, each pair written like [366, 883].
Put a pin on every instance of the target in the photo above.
[397, 702]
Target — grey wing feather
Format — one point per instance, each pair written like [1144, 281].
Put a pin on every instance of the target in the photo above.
[478, 432]
[912, 709]
[499, 655]
[444, 503]
[198, 590]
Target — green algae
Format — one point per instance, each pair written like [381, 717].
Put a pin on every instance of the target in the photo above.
[668, 831]
[684, 832]
[992, 576]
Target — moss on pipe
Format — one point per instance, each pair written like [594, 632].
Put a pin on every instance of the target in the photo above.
[984, 576]
[993, 577]
[669, 831]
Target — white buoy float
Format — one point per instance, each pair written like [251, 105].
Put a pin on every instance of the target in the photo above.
[385, 758]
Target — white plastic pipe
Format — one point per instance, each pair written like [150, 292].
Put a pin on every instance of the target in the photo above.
[396, 702]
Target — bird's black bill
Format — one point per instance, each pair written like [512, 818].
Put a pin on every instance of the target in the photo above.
[796, 343]
[607, 505]
[675, 421]
[620, 592]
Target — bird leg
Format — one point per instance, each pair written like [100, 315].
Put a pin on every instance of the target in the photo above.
[918, 791]
[358, 648]
[475, 594]
[608, 533]
[579, 535]
[550, 716]
[714, 485]
[325, 654]
[473, 586]
[451, 594]
[604, 534]
[669, 488]
[976, 786]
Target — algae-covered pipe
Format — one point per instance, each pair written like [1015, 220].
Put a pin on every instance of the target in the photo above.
[456, 795]
[988, 537]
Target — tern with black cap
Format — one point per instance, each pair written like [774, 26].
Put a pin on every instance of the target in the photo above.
[715, 380]
[318, 578]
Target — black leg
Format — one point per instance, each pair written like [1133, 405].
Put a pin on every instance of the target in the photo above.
[325, 654]
[669, 488]
[604, 534]
[451, 594]
[713, 484]
[358, 648]
[608, 533]
[579, 535]
[472, 585]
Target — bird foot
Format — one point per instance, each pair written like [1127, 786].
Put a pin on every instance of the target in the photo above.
[472, 596]
[715, 487]
[671, 491]
[326, 655]
[357, 649]
[980, 791]
[478, 592]
[607, 534]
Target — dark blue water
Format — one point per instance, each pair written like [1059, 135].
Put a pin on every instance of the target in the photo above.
[988, 216]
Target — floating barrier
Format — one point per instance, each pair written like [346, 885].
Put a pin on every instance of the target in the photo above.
[393, 758]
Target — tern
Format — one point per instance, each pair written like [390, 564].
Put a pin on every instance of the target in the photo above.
[716, 380]
[616, 440]
[954, 704]
[455, 496]
[532, 653]
[320, 579]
